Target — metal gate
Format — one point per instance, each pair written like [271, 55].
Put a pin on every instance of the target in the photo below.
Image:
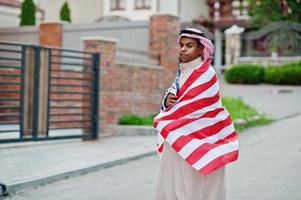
[47, 93]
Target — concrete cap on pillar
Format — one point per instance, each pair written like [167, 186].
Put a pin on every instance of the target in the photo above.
[234, 29]
[99, 38]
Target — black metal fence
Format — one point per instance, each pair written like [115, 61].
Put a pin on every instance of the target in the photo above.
[11, 89]
[47, 93]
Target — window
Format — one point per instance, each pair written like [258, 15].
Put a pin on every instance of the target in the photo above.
[117, 4]
[142, 4]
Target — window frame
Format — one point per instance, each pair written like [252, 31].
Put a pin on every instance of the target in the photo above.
[143, 7]
[117, 5]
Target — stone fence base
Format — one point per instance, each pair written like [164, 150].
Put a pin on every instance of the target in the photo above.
[132, 130]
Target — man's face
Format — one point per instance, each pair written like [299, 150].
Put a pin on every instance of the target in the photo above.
[189, 49]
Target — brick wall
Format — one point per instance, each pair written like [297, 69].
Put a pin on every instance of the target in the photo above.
[12, 95]
[137, 91]
[124, 88]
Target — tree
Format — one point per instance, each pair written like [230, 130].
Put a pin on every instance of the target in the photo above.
[28, 12]
[65, 13]
[265, 11]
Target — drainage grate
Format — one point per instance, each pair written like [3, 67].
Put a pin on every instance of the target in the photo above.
[283, 91]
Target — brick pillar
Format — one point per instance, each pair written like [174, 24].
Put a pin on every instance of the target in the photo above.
[51, 34]
[107, 48]
[163, 35]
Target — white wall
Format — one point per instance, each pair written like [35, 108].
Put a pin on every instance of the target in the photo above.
[81, 11]
[25, 34]
[133, 35]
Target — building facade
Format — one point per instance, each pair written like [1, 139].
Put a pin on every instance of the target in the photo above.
[222, 13]
[143, 9]
[132, 10]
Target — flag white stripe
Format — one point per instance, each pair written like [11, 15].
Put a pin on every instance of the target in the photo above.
[206, 77]
[197, 82]
[210, 92]
[197, 114]
[162, 124]
[195, 143]
[200, 112]
[195, 126]
[215, 153]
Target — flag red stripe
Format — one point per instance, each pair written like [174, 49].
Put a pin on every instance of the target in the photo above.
[191, 107]
[200, 134]
[211, 130]
[181, 122]
[199, 89]
[184, 139]
[199, 152]
[219, 162]
[160, 149]
[195, 75]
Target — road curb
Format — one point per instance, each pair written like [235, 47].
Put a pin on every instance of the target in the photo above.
[35, 182]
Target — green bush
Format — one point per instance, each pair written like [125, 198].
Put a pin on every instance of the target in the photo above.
[136, 120]
[293, 64]
[28, 10]
[287, 74]
[245, 74]
[65, 13]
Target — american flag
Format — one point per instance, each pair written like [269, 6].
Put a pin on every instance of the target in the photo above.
[197, 126]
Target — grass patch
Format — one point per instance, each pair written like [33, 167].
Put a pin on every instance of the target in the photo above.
[136, 120]
[243, 115]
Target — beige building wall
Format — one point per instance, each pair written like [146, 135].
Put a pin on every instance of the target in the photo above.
[10, 17]
[169, 7]
[90, 10]
[130, 12]
[186, 9]
[193, 9]
[81, 11]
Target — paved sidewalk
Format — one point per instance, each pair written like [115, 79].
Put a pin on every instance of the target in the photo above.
[31, 164]
[278, 102]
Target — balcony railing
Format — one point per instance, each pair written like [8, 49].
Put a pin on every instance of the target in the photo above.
[228, 10]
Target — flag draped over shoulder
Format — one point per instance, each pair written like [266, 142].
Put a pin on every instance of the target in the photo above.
[197, 126]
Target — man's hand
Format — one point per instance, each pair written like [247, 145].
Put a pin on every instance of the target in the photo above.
[170, 99]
